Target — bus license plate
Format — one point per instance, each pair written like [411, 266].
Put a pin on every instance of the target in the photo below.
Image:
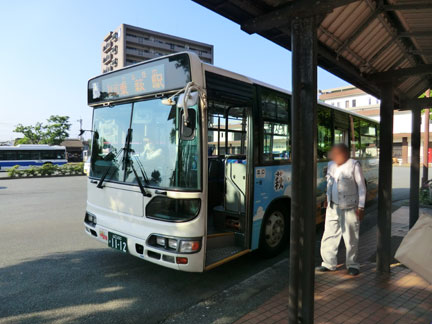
[117, 242]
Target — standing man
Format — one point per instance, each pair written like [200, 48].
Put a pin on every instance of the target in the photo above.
[346, 195]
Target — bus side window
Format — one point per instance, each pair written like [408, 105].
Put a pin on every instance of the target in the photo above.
[227, 129]
[324, 138]
[355, 137]
[341, 127]
[368, 139]
[275, 114]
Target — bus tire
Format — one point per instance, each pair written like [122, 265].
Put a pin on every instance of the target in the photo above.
[275, 230]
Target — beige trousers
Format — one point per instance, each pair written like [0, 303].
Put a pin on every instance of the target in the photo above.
[340, 223]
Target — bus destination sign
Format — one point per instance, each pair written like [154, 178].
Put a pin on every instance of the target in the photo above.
[131, 84]
[157, 76]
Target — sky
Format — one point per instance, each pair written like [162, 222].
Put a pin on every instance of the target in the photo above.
[50, 48]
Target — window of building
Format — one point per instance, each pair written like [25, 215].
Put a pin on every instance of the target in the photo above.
[354, 103]
[370, 101]
[347, 104]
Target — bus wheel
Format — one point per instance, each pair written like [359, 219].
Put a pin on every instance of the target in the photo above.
[275, 231]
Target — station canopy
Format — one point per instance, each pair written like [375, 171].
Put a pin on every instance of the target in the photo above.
[363, 42]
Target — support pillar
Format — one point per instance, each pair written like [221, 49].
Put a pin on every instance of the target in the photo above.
[426, 143]
[415, 167]
[385, 179]
[303, 200]
[404, 150]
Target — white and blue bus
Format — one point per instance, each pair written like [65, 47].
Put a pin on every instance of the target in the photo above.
[191, 164]
[27, 155]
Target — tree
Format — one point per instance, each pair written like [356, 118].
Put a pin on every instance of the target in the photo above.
[53, 132]
[57, 129]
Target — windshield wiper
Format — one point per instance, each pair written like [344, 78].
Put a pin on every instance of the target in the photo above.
[144, 174]
[102, 179]
[127, 161]
[140, 185]
[124, 148]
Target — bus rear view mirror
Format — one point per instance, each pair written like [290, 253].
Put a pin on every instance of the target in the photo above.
[187, 129]
[191, 101]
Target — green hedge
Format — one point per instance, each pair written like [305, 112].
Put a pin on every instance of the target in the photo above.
[47, 169]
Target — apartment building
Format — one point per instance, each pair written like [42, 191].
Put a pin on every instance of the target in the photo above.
[356, 100]
[128, 45]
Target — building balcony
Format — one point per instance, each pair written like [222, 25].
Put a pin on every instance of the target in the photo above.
[107, 47]
[107, 59]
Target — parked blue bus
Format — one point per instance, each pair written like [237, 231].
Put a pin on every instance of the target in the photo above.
[27, 155]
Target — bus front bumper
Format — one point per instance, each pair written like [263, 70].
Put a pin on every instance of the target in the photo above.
[140, 249]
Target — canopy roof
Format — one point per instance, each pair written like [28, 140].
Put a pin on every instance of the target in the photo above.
[364, 42]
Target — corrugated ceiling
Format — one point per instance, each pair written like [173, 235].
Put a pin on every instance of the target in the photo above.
[357, 39]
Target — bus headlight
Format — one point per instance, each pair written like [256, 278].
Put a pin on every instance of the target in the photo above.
[173, 244]
[160, 241]
[189, 246]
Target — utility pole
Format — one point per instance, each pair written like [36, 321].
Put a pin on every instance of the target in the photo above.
[426, 143]
[80, 121]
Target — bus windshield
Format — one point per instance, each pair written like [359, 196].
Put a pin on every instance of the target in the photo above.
[156, 153]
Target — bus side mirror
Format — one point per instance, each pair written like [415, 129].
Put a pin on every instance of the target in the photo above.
[191, 101]
[187, 130]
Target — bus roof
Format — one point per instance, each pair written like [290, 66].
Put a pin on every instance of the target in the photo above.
[33, 147]
[240, 77]
[233, 75]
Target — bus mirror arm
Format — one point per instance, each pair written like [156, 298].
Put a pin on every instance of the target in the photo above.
[82, 131]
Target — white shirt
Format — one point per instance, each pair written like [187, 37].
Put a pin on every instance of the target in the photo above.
[359, 179]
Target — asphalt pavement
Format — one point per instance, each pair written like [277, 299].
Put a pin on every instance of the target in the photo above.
[52, 272]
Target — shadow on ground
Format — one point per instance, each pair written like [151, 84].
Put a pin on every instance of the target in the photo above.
[104, 286]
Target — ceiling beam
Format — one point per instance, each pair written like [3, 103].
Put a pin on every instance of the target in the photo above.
[418, 103]
[423, 33]
[401, 73]
[298, 8]
[408, 6]
[392, 25]
[420, 52]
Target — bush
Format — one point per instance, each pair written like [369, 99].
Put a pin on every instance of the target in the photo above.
[68, 169]
[14, 172]
[79, 168]
[48, 169]
[426, 194]
[63, 169]
[31, 172]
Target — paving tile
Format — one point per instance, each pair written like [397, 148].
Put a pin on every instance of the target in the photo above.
[401, 297]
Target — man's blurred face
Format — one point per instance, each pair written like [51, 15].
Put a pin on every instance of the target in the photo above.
[338, 155]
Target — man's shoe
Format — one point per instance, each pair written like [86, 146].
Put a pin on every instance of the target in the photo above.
[353, 271]
[322, 269]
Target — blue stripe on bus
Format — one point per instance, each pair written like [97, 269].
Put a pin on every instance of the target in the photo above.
[28, 163]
